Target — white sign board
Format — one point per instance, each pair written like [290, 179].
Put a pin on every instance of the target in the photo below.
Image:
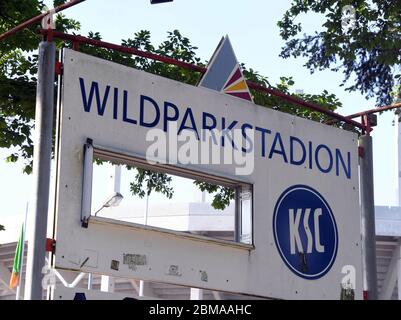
[304, 178]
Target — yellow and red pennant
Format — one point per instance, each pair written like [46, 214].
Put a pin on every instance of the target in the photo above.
[224, 72]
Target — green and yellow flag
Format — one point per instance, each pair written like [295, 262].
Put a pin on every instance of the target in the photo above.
[14, 280]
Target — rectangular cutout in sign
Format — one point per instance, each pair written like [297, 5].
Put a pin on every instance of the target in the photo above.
[167, 210]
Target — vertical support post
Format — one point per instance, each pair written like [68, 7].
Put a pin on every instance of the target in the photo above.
[37, 226]
[146, 290]
[107, 284]
[368, 218]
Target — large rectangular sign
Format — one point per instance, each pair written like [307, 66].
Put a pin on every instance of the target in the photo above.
[304, 178]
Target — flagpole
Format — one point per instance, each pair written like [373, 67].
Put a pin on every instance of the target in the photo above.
[18, 291]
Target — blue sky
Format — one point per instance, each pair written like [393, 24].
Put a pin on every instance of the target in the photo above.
[252, 27]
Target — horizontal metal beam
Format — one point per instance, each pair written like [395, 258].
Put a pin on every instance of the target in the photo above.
[38, 18]
[77, 39]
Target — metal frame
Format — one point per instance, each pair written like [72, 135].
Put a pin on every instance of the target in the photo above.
[92, 151]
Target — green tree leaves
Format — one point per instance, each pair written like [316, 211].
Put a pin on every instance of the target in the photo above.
[368, 53]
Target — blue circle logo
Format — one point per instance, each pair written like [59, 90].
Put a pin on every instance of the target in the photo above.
[305, 232]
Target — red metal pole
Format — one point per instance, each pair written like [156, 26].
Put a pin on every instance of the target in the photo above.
[107, 45]
[306, 104]
[37, 19]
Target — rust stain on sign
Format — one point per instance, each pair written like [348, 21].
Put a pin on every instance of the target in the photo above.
[114, 265]
[203, 275]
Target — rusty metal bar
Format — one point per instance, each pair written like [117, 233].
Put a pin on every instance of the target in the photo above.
[303, 103]
[107, 45]
[370, 111]
[375, 110]
[37, 19]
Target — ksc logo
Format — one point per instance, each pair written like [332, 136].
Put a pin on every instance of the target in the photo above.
[305, 232]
